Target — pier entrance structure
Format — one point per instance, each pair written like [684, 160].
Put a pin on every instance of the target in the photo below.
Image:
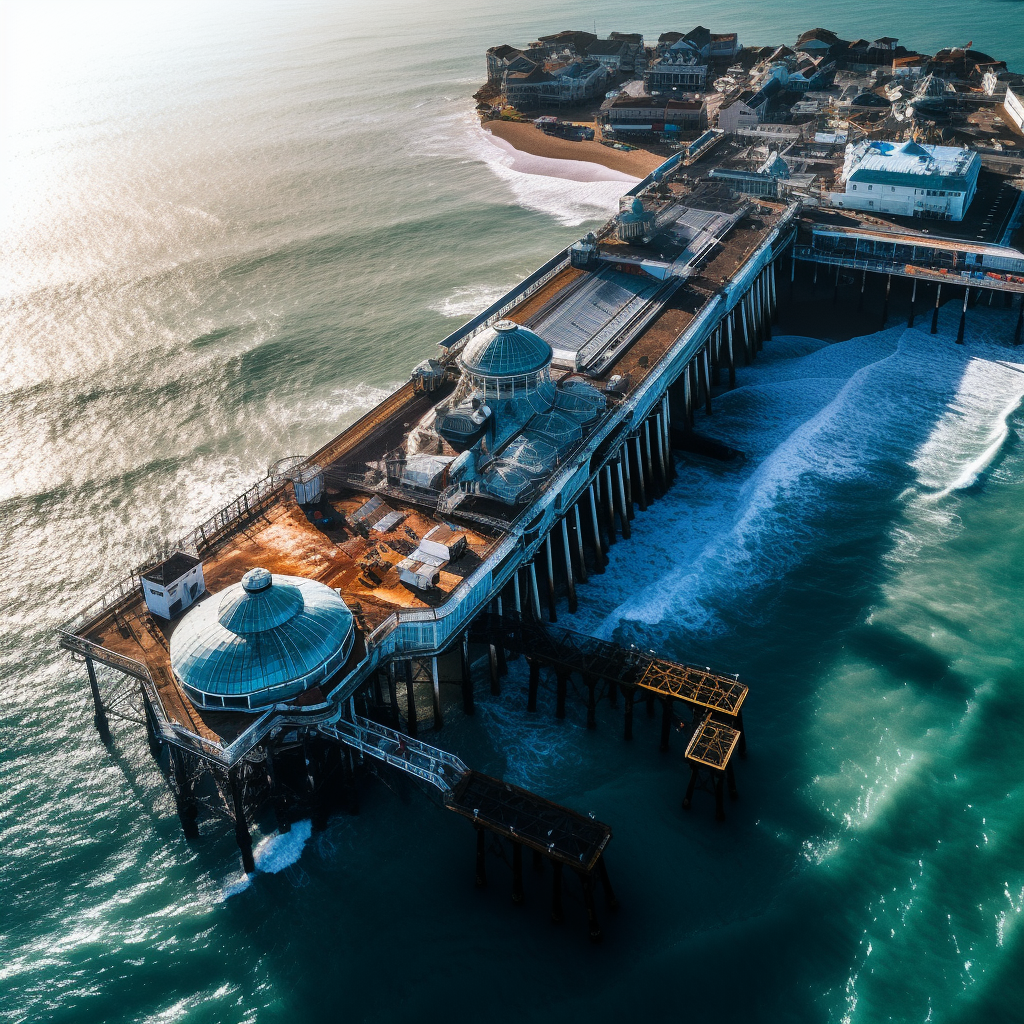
[493, 482]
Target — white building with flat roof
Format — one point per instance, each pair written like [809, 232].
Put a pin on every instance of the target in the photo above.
[908, 179]
[1014, 107]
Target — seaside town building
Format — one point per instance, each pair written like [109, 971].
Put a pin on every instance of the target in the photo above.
[676, 71]
[748, 108]
[909, 179]
[626, 113]
[556, 83]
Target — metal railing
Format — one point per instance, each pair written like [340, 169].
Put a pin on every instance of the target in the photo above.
[251, 502]
[457, 340]
[412, 756]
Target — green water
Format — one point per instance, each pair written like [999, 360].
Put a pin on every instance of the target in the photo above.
[227, 232]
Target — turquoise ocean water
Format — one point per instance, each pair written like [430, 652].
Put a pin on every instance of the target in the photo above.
[229, 230]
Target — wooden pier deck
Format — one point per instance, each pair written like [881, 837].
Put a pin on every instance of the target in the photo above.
[558, 833]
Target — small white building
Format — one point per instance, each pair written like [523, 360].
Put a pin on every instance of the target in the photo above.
[1014, 107]
[170, 587]
[443, 542]
[908, 179]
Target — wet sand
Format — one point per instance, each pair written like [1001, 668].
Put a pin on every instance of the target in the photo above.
[527, 139]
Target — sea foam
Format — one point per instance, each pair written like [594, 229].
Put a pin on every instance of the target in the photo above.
[883, 412]
[272, 855]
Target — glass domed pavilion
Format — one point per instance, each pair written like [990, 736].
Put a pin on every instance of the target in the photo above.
[506, 361]
[261, 641]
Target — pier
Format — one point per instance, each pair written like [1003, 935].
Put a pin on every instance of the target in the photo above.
[467, 513]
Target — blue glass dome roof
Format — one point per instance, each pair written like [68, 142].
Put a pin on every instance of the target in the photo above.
[505, 350]
[265, 639]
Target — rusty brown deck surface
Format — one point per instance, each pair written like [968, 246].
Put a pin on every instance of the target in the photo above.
[285, 541]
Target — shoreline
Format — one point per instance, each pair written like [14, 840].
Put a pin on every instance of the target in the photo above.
[527, 139]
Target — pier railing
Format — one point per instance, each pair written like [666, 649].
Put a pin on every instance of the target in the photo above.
[247, 505]
[540, 277]
[941, 274]
[412, 756]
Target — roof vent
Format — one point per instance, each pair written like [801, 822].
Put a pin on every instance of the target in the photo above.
[256, 580]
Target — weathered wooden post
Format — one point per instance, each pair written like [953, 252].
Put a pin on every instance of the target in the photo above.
[242, 836]
[595, 526]
[580, 553]
[935, 311]
[731, 348]
[641, 482]
[435, 685]
[623, 514]
[184, 797]
[563, 681]
[410, 698]
[885, 304]
[913, 302]
[570, 583]
[624, 461]
[100, 716]
[609, 501]
[963, 318]
[534, 593]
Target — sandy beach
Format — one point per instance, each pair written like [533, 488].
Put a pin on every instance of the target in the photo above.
[527, 139]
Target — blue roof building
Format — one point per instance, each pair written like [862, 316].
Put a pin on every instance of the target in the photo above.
[261, 641]
[909, 179]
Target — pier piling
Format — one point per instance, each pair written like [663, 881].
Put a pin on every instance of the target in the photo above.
[731, 350]
[963, 318]
[242, 836]
[100, 715]
[623, 514]
[567, 551]
[549, 566]
[435, 689]
[913, 301]
[580, 554]
[410, 697]
[935, 311]
[562, 686]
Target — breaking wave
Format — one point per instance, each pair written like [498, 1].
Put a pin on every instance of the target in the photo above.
[894, 416]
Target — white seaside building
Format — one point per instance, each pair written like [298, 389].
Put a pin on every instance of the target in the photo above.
[1014, 107]
[909, 179]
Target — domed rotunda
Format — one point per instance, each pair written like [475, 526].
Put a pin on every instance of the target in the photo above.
[260, 641]
[506, 361]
